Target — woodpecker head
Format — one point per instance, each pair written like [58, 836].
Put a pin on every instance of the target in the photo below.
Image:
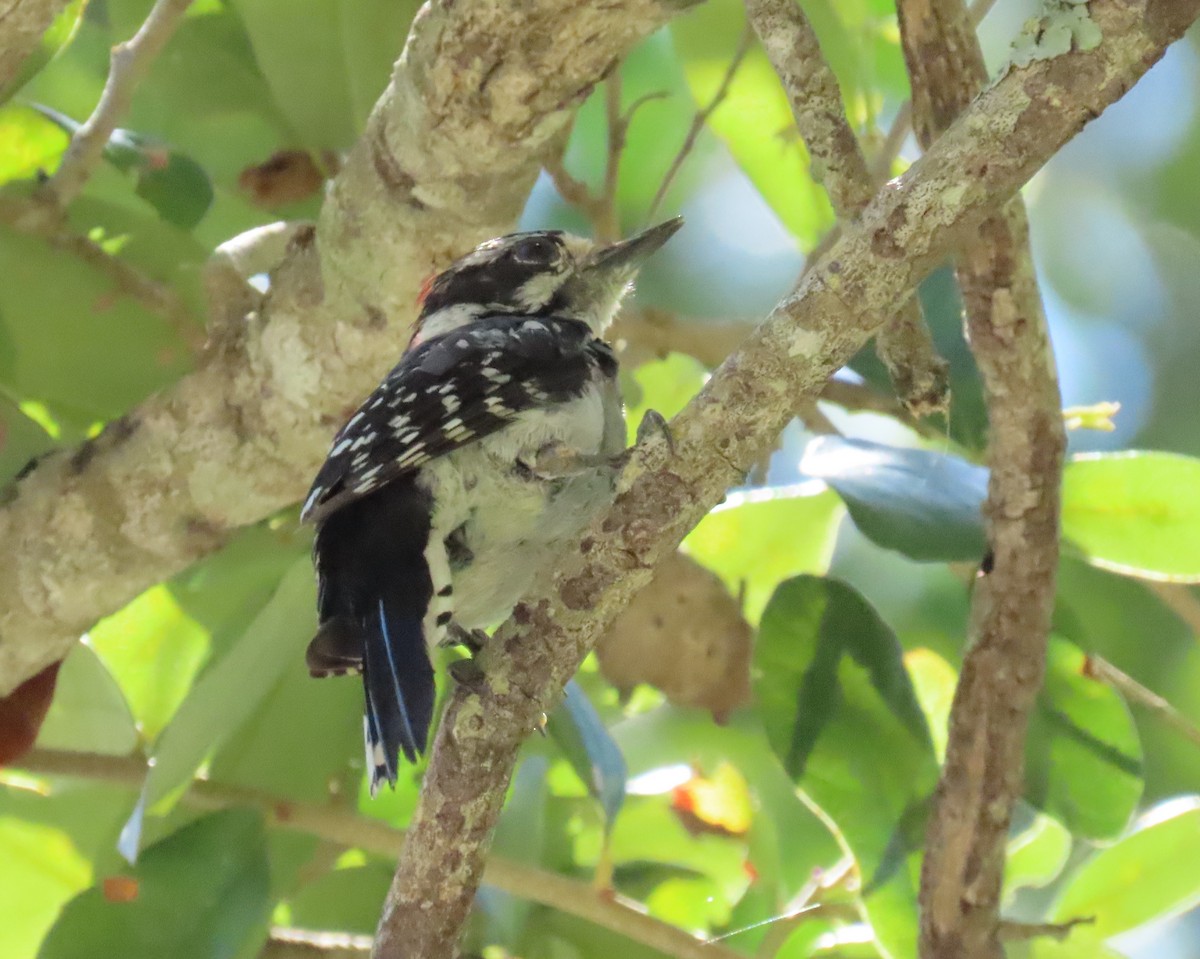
[545, 273]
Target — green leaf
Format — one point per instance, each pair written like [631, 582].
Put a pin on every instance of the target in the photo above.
[754, 543]
[922, 504]
[754, 119]
[1083, 757]
[177, 187]
[42, 871]
[1036, 856]
[347, 899]
[841, 714]
[326, 62]
[89, 712]
[201, 893]
[591, 750]
[119, 352]
[32, 143]
[1152, 873]
[1135, 513]
[21, 438]
[229, 692]
[154, 650]
[934, 682]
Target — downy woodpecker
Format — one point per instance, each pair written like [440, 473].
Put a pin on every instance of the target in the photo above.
[494, 440]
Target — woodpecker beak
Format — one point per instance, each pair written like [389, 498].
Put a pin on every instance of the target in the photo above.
[627, 256]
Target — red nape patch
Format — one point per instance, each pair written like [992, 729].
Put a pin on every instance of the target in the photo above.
[426, 286]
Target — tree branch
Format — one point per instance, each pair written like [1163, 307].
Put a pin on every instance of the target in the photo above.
[484, 90]
[904, 345]
[982, 777]
[129, 63]
[981, 161]
[352, 831]
[21, 27]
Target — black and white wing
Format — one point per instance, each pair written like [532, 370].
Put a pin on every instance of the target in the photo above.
[453, 390]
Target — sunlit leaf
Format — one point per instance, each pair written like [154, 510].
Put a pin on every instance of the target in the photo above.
[229, 692]
[1135, 513]
[1084, 760]
[752, 544]
[42, 871]
[754, 119]
[1152, 873]
[1036, 856]
[841, 713]
[89, 712]
[31, 143]
[201, 892]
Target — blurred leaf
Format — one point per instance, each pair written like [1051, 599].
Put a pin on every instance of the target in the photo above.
[21, 438]
[1152, 873]
[57, 36]
[1135, 513]
[177, 187]
[42, 871]
[752, 545]
[934, 681]
[842, 716]
[1082, 943]
[326, 63]
[520, 836]
[348, 900]
[201, 893]
[89, 712]
[665, 386]
[154, 650]
[922, 504]
[654, 137]
[787, 841]
[1083, 758]
[1036, 856]
[32, 143]
[595, 756]
[754, 119]
[118, 352]
[228, 693]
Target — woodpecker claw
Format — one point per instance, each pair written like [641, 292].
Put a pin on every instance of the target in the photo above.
[473, 639]
[655, 426]
[466, 672]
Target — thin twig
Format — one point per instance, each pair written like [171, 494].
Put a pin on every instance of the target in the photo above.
[606, 227]
[129, 63]
[701, 118]
[287, 943]
[348, 829]
[905, 345]
[1100, 668]
[893, 142]
[36, 218]
[1011, 931]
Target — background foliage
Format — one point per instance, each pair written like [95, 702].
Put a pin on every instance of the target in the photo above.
[852, 557]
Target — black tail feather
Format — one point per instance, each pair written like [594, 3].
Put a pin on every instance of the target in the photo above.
[374, 591]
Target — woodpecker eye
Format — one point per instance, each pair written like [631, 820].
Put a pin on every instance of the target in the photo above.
[535, 249]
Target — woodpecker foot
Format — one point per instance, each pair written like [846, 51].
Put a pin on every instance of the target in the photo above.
[473, 639]
[558, 461]
[654, 426]
[466, 672]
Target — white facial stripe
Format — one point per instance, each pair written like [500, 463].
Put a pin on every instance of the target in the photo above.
[538, 290]
[449, 318]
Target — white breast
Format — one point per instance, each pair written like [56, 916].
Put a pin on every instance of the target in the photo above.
[513, 525]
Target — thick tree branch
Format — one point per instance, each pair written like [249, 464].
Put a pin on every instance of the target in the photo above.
[484, 90]
[129, 62]
[1012, 601]
[838, 162]
[22, 23]
[345, 828]
[981, 161]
